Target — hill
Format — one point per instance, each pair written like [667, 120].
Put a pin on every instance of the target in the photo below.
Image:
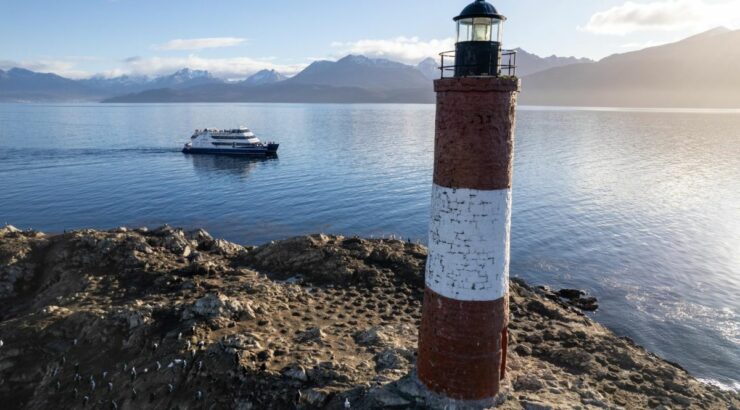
[702, 71]
[528, 63]
[18, 84]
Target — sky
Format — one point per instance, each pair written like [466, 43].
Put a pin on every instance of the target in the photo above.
[235, 38]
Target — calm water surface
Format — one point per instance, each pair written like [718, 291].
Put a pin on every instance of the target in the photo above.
[641, 208]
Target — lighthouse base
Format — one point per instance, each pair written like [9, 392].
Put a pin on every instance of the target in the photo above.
[411, 390]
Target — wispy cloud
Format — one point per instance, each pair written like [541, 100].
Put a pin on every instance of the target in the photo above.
[199, 43]
[409, 50]
[664, 15]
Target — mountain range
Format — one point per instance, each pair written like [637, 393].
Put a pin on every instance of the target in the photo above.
[700, 71]
[18, 84]
[353, 78]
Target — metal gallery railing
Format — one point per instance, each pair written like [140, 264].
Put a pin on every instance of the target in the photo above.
[506, 66]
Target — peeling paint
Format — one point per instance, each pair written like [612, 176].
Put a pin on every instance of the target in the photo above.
[469, 243]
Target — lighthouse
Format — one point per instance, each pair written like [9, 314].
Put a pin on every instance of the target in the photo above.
[463, 335]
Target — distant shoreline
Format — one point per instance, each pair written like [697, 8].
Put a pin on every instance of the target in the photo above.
[524, 107]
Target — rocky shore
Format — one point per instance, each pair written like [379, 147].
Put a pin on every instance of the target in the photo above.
[167, 319]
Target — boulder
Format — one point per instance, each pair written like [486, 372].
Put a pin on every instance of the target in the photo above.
[571, 293]
[312, 334]
[214, 306]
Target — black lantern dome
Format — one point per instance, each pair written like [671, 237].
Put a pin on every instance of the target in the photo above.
[480, 8]
[479, 38]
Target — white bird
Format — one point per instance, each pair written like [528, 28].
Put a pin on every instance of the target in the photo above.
[92, 384]
[200, 365]
[179, 336]
[1, 343]
[171, 365]
[104, 375]
[110, 387]
[184, 364]
[170, 388]
[85, 400]
[159, 366]
[187, 343]
[198, 395]
[74, 342]
[346, 404]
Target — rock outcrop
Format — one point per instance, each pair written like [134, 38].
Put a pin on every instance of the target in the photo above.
[163, 318]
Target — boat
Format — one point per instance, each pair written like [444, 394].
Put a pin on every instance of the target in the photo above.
[238, 141]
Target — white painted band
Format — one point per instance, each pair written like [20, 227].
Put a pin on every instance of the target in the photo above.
[469, 243]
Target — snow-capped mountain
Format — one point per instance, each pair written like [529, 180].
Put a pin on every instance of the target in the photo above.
[362, 72]
[264, 77]
[430, 68]
[183, 79]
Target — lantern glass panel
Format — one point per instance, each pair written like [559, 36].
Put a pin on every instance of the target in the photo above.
[464, 30]
[482, 29]
[479, 29]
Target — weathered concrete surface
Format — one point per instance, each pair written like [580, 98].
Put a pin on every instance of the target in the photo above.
[180, 320]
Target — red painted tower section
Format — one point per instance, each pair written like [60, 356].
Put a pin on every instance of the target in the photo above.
[463, 337]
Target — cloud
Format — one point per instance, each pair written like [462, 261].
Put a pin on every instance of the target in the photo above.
[66, 67]
[664, 15]
[228, 68]
[199, 43]
[409, 50]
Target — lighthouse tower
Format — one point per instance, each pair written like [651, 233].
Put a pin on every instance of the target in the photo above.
[463, 335]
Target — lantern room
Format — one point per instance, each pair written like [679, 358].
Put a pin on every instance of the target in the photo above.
[479, 39]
